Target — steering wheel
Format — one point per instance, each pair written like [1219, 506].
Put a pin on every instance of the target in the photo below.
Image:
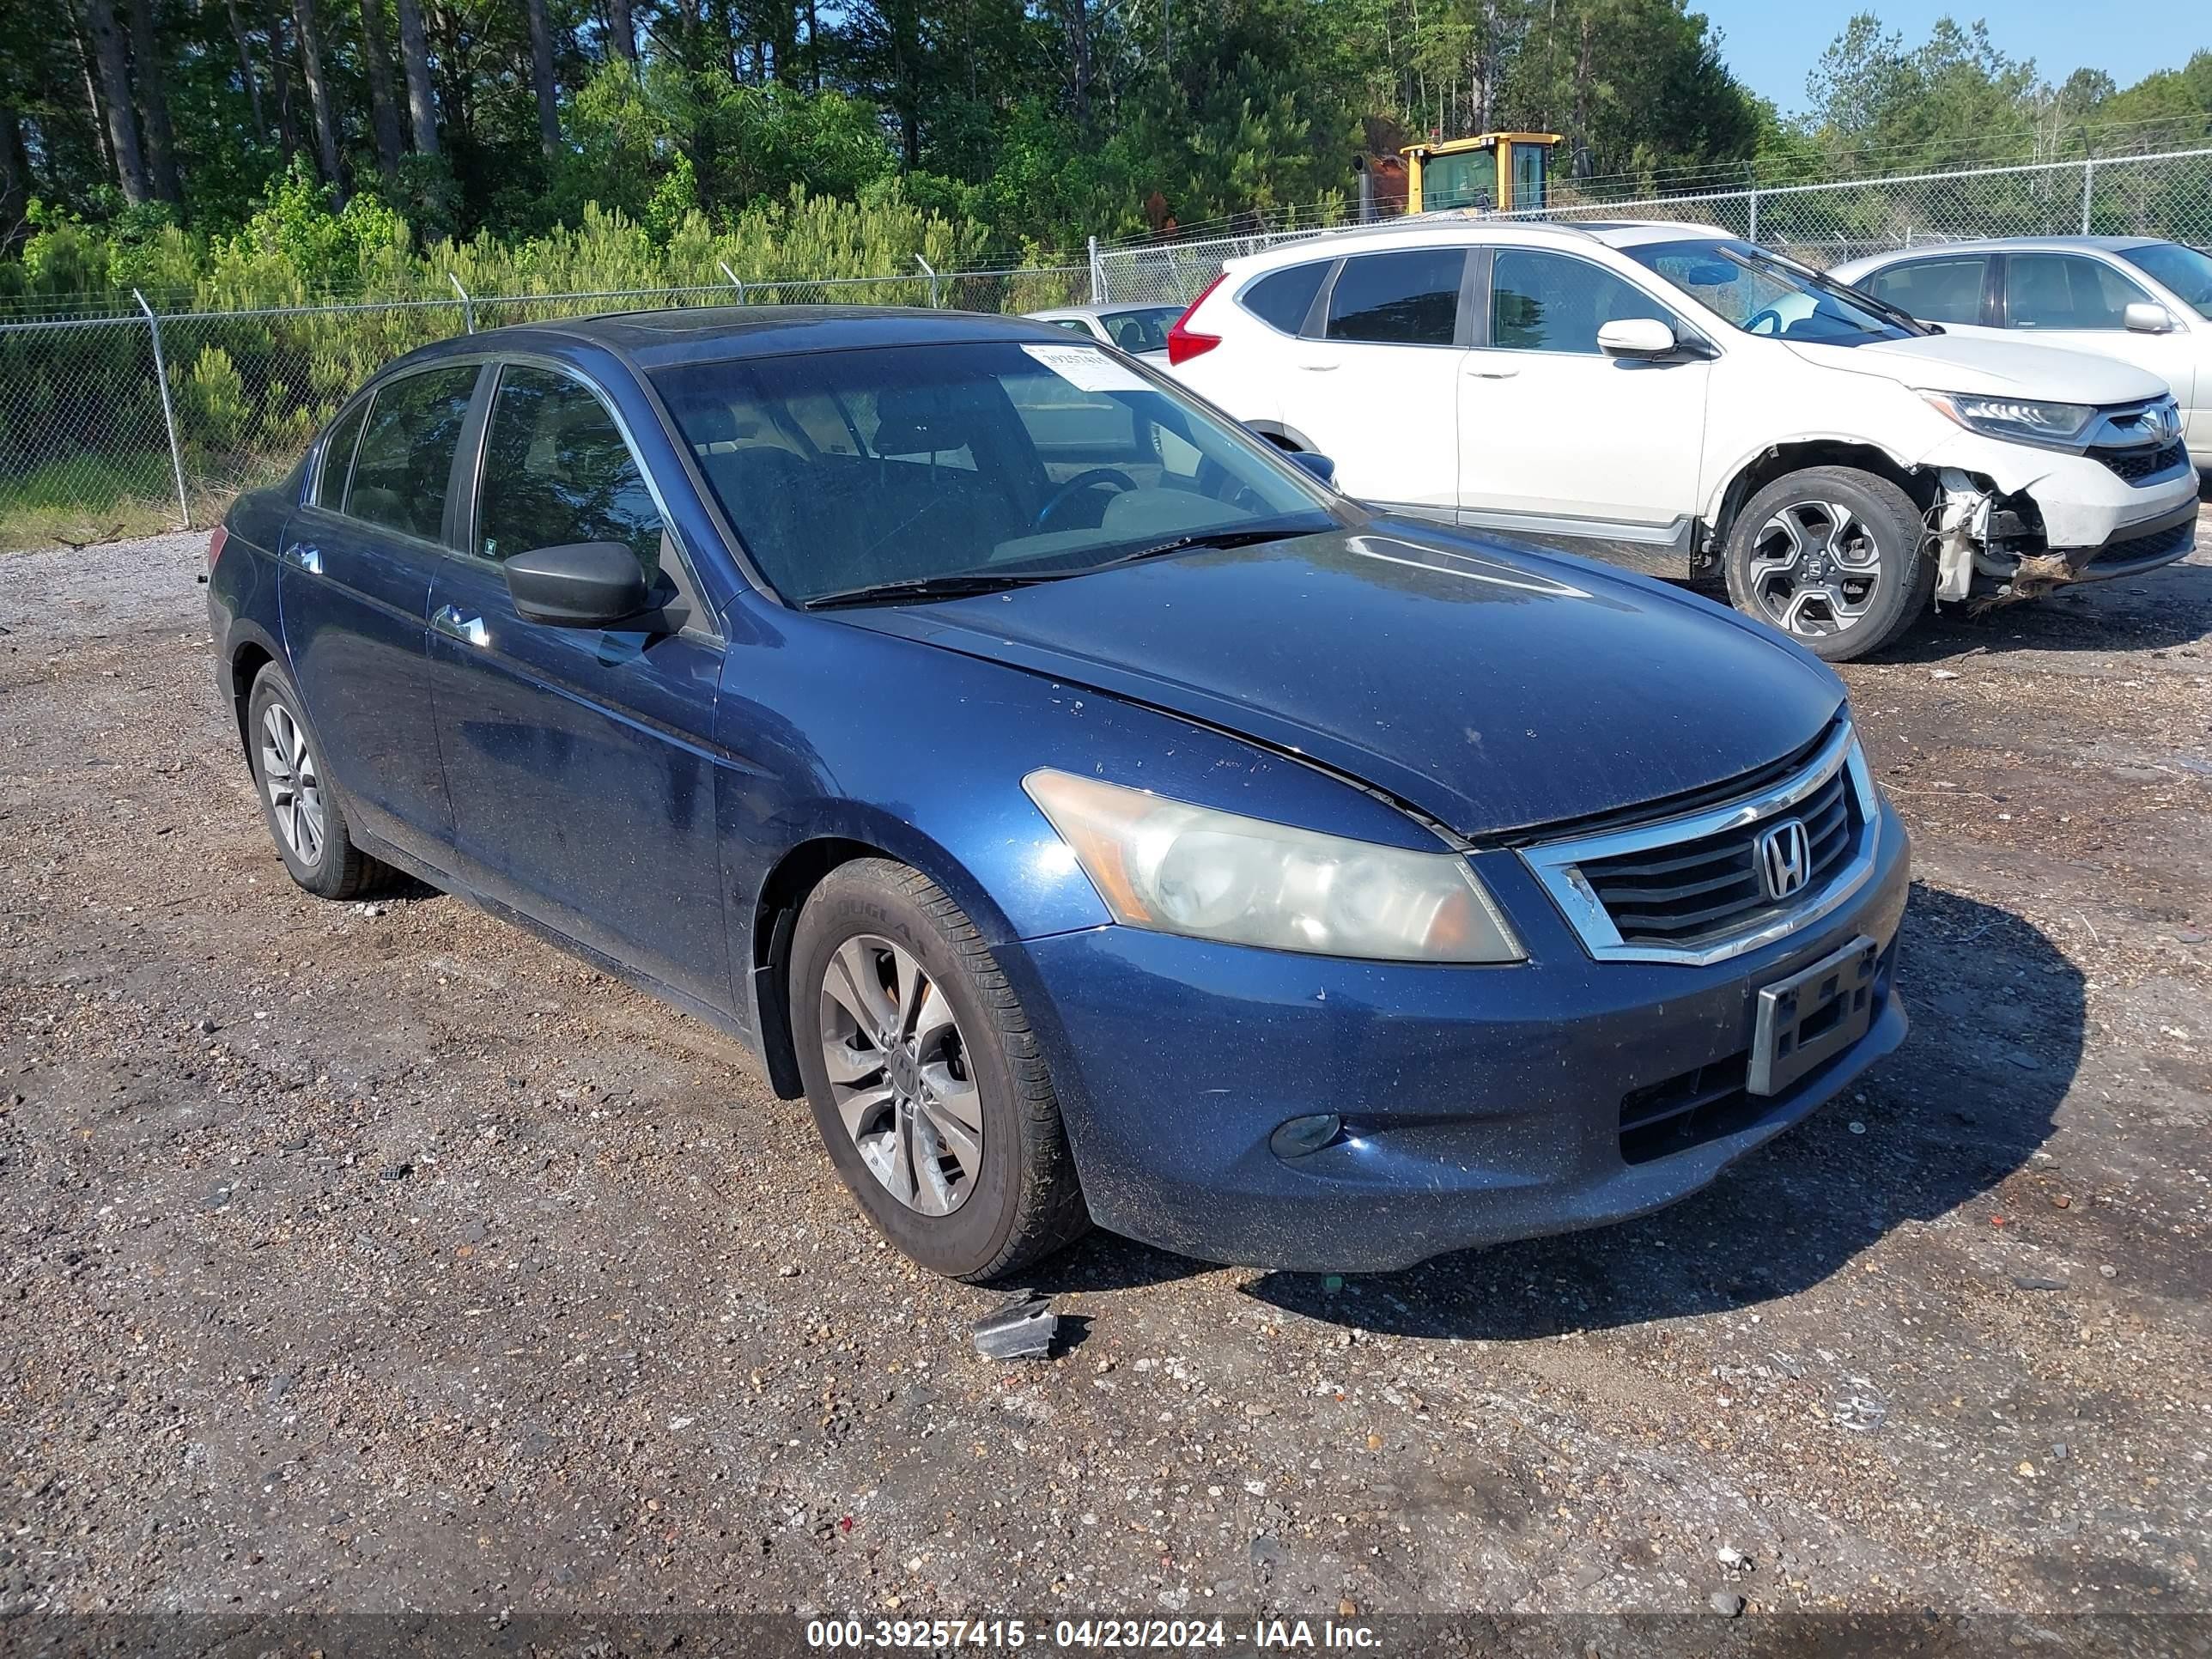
[1090, 478]
[1769, 315]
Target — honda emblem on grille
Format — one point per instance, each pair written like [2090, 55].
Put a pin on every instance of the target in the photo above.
[1785, 859]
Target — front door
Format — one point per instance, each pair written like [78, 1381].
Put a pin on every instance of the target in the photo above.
[582, 778]
[1559, 437]
[2074, 300]
[357, 559]
[1378, 391]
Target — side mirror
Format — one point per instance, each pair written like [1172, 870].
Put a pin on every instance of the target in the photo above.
[579, 584]
[1320, 466]
[1636, 337]
[2145, 317]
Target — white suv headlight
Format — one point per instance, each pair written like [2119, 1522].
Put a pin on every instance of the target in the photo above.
[2015, 417]
[1176, 868]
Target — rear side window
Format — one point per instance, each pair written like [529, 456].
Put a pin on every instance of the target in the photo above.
[1934, 290]
[2064, 290]
[338, 457]
[1410, 298]
[406, 454]
[1550, 303]
[1281, 299]
[557, 470]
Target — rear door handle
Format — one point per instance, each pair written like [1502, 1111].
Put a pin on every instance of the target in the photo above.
[307, 556]
[469, 630]
[1320, 368]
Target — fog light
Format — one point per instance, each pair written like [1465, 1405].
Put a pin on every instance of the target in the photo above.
[1301, 1135]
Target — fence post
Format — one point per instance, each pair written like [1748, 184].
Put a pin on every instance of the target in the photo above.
[1755, 215]
[1097, 276]
[468, 306]
[2088, 178]
[929, 271]
[734, 281]
[168, 413]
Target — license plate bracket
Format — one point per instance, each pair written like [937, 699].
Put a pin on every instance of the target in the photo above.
[1816, 1013]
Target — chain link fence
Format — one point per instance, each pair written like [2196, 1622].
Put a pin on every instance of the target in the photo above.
[2167, 194]
[129, 423]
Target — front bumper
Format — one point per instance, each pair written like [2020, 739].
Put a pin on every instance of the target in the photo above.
[1481, 1105]
[2083, 503]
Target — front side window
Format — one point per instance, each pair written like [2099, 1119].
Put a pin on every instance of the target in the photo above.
[1408, 298]
[1756, 290]
[557, 472]
[986, 463]
[2186, 271]
[405, 459]
[1550, 303]
[2065, 290]
[337, 458]
[1934, 290]
[1145, 330]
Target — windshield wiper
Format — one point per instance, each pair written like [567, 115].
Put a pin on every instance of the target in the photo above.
[1240, 536]
[964, 585]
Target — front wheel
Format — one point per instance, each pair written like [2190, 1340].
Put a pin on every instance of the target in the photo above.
[1832, 557]
[926, 1080]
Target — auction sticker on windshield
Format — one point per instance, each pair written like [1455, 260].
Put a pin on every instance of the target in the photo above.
[1087, 368]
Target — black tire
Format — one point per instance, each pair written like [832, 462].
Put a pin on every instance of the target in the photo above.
[1023, 1203]
[332, 867]
[1882, 519]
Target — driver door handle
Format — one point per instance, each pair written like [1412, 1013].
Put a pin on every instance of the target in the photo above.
[469, 630]
[1494, 372]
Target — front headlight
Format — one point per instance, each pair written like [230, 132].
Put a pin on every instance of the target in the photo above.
[2015, 417]
[1176, 868]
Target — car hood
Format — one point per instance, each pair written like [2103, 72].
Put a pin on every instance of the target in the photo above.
[1494, 688]
[1962, 363]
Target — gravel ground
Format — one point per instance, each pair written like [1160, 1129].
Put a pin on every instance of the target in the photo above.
[382, 1258]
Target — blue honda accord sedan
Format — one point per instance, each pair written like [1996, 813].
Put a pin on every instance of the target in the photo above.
[1092, 814]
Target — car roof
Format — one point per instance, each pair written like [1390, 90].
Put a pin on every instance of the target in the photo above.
[692, 334]
[2002, 244]
[1426, 229]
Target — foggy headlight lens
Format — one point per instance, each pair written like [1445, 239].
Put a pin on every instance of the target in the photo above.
[1176, 868]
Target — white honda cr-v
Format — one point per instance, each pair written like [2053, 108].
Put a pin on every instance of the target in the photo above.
[1666, 396]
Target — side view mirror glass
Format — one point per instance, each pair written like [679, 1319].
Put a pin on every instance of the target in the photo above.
[578, 585]
[1636, 337]
[2145, 317]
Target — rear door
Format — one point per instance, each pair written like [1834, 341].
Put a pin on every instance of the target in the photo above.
[1375, 384]
[582, 775]
[1953, 289]
[357, 559]
[1562, 438]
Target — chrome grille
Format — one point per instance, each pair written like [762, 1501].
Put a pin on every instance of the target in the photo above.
[1688, 890]
[1691, 889]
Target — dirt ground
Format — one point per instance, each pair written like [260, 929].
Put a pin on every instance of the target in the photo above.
[382, 1258]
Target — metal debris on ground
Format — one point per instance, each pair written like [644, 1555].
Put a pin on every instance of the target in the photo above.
[1021, 1328]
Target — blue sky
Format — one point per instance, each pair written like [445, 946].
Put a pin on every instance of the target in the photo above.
[1772, 47]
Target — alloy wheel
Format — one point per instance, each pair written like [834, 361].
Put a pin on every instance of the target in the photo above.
[296, 795]
[1814, 568]
[898, 1074]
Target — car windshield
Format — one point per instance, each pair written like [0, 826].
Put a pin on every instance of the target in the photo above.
[999, 461]
[2186, 271]
[1761, 293]
[1145, 329]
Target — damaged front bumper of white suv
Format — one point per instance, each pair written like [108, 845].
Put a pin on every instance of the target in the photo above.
[2013, 521]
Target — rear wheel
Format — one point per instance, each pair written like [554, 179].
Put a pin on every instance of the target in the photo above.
[305, 817]
[1831, 557]
[926, 1080]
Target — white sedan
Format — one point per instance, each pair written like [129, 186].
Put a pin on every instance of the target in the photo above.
[1140, 330]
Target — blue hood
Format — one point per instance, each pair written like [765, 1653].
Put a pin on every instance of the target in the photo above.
[1492, 688]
